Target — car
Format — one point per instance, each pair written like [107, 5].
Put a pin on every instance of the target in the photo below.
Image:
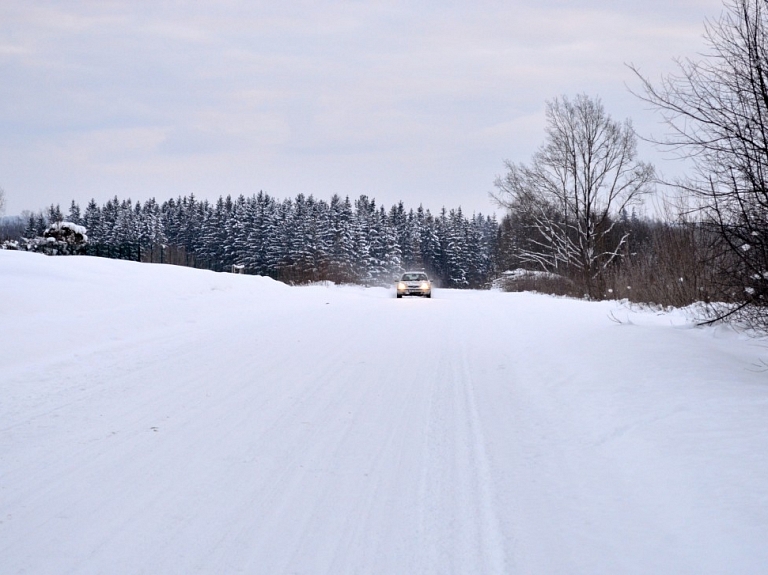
[414, 283]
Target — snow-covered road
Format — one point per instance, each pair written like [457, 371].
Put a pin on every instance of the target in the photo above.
[156, 419]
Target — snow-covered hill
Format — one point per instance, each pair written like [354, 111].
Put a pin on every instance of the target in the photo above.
[156, 419]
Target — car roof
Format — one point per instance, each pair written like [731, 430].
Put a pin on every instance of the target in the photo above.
[423, 274]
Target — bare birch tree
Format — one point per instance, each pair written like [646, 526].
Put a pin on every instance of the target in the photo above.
[576, 184]
[716, 110]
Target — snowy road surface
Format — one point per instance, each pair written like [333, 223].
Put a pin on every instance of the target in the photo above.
[156, 419]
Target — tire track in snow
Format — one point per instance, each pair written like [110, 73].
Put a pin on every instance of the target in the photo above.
[458, 522]
[491, 539]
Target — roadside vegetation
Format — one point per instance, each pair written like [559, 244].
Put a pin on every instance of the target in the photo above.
[568, 207]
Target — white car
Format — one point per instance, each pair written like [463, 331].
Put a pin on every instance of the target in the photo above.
[414, 283]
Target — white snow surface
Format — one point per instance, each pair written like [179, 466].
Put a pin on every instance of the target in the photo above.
[158, 419]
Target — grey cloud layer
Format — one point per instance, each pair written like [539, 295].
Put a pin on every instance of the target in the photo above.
[419, 101]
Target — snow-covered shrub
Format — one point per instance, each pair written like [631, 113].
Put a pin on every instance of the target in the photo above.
[60, 238]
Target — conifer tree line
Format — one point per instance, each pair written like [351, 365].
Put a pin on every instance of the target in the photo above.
[297, 240]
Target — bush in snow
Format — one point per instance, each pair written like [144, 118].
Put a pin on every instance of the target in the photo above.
[60, 238]
[10, 245]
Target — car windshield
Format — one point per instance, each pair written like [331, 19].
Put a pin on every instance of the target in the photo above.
[414, 277]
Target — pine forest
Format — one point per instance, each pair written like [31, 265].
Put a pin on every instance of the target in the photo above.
[296, 240]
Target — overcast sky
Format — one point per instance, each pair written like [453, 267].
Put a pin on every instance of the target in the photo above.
[419, 101]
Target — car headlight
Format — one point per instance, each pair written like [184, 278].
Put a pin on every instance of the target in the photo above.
[401, 286]
[425, 286]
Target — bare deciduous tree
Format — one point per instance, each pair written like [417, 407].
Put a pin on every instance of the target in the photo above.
[2, 201]
[583, 175]
[717, 113]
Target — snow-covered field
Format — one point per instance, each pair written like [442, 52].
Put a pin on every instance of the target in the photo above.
[163, 420]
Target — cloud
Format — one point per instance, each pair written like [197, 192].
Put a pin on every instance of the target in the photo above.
[414, 101]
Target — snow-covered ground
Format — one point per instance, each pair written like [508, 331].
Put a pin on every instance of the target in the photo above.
[157, 419]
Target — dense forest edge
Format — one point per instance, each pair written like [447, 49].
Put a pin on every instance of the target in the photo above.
[299, 240]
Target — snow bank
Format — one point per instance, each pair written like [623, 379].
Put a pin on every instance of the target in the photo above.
[170, 420]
